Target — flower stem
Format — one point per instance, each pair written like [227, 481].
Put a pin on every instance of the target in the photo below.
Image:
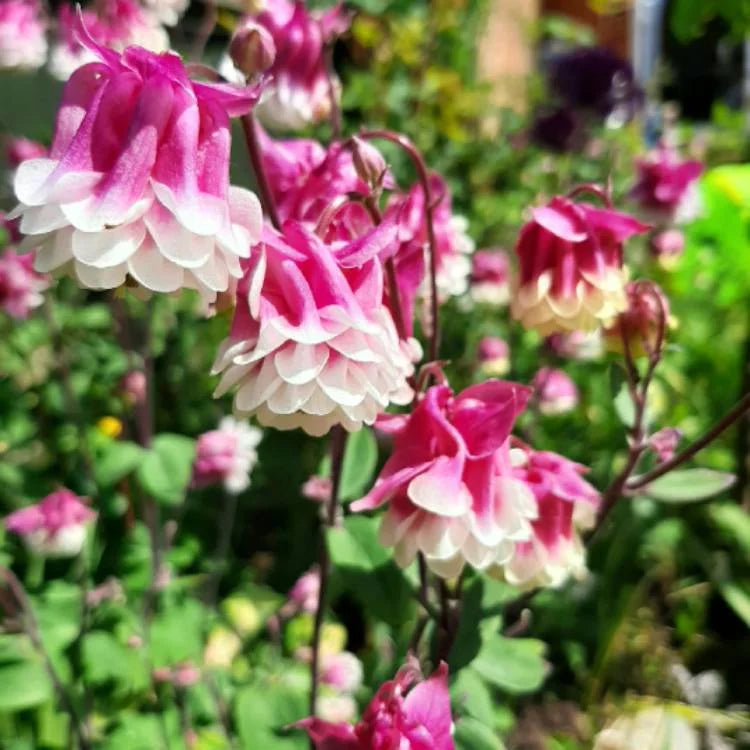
[424, 180]
[205, 29]
[337, 447]
[256, 160]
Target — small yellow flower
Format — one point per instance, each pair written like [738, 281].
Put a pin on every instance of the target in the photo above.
[110, 426]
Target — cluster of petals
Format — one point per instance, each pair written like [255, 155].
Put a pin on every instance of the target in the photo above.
[136, 187]
[226, 455]
[566, 504]
[490, 278]
[312, 345]
[448, 483]
[666, 186]
[301, 88]
[53, 527]
[116, 24]
[23, 43]
[21, 286]
[571, 274]
[554, 391]
[399, 716]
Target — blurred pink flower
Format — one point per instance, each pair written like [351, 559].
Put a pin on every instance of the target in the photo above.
[317, 488]
[647, 311]
[571, 266]
[55, 526]
[21, 286]
[566, 504]
[137, 183]
[493, 355]
[555, 392]
[116, 24]
[667, 247]
[665, 188]
[664, 442]
[576, 344]
[448, 482]
[303, 596]
[23, 43]
[18, 149]
[134, 386]
[341, 671]
[226, 455]
[490, 277]
[397, 718]
[311, 343]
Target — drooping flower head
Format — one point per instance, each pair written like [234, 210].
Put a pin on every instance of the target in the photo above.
[397, 718]
[666, 186]
[566, 504]
[490, 277]
[21, 286]
[55, 526]
[448, 482]
[226, 455]
[571, 274]
[116, 24]
[555, 392]
[312, 344]
[643, 322]
[23, 43]
[493, 355]
[136, 187]
[300, 91]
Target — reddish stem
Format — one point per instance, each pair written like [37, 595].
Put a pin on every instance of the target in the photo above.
[256, 160]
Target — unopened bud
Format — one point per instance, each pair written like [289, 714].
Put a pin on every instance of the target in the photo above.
[643, 324]
[252, 49]
[368, 162]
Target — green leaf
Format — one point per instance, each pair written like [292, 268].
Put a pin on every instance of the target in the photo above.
[473, 735]
[689, 485]
[262, 712]
[360, 460]
[355, 545]
[177, 634]
[738, 599]
[23, 685]
[470, 695]
[165, 470]
[468, 639]
[116, 460]
[624, 406]
[106, 660]
[516, 665]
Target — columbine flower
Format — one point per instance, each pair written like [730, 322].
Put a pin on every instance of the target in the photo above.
[646, 315]
[566, 504]
[555, 392]
[576, 344]
[22, 35]
[116, 24]
[21, 286]
[571, 266]
[312, 344]
[303, 596]
[55, 526]
[341, 671]
[667, 247]
[490, 278]
[300, 89]
[397, 717]
[226, 455]
[666, 186]
[448, 481]
[137, 188]
[493, 356]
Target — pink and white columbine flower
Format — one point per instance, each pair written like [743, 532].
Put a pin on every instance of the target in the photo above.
[667, 247]
[55, 526]
[23, 43]
[448, 482]
[490, 278]
[303, 596]
[571, 273]
[116, 24]
[300, 89]
[226, 455]
[581, 345]
[341, 671]
[21, 286]
[397, 717]
[555, 391]
[312, 345]
[566, 505]
[666, 188]
[493, 356]
[136, 188]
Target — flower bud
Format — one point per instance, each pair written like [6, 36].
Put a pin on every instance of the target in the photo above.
[252, 49]
[643, 323]
[368, 161]
[667, 247]
[556, 393]
[493, 356]
[665, 442]
[134, 386]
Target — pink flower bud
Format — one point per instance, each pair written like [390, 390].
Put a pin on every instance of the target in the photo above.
[134, 386]
[341, 671]
[252, 48]
[571, 266]
[21, 286]
[185, 675]
[493, 356]
[368, 161]
[556, 393]
[667, 247]
[317, 489]
[664, 442]
[646, 315]
[55, 526]
[303, 596]
[490, 277]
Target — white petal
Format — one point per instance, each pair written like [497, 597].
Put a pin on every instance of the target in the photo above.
[110, 247]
